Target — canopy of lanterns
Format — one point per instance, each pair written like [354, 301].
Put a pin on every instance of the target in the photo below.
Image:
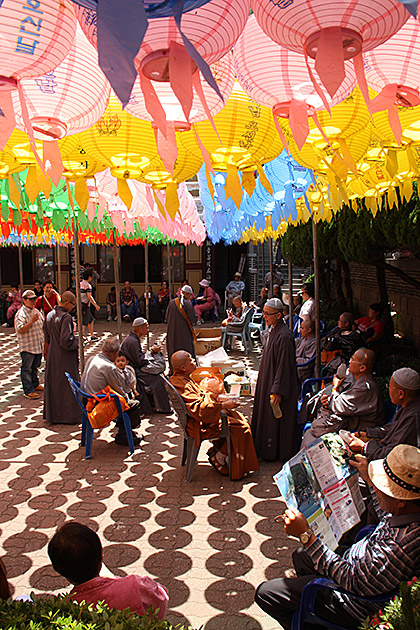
[285, 109]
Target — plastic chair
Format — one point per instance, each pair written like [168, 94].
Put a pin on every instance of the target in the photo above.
[87, 429]
[257, 323]
[190, 450]
[243, 333]
[306, 614]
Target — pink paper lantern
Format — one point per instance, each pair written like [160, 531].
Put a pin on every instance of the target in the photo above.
[68, 99]
[36, 36]
[224, 74]
[330, 31]
[277, 77]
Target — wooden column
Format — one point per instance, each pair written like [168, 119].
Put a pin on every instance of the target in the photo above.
[146, 277]
[290, 296]
[57, 253]
[78, 294]
[20, 269]
[117, 282]
[271, 268]
[317, 313]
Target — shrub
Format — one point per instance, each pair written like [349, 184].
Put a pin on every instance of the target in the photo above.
[60, 613]
[402, 613]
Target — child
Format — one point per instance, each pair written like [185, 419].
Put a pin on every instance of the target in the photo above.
[128, 375]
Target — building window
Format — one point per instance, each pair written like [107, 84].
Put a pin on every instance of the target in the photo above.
[177, 260]
[44, 264]
[106, 264]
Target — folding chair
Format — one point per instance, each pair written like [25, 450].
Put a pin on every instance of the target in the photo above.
[87, 429]
[190, 450]
[243, 333]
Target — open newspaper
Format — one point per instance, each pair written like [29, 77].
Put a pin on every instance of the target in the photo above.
[320, 483]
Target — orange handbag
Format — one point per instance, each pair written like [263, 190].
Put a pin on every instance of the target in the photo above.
[102, 411]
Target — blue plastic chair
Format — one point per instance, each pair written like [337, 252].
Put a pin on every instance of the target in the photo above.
[307, 615]
[257, 322]
[243, 333]
[87, 429]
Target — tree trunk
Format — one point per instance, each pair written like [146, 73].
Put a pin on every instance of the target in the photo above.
[383, 297]
[347, 284]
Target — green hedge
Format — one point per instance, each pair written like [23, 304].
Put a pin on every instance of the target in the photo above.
[59, 613]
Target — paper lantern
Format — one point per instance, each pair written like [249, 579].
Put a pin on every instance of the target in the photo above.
[248, 137]
[224, 75]
[153, 8]
[186, 166]
[9, 165]
[124, 143]
[331, 31]
[70, 98]
[277, 77]
[393, 70]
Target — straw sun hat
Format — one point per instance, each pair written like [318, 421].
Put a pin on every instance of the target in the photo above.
[398, 475]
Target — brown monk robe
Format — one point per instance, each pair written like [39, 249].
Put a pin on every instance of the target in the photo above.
[205, 423]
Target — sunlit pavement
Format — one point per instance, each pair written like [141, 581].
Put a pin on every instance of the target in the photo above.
[210, 542]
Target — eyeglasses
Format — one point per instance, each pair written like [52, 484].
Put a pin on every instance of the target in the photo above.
[268, 314]
[30, 298]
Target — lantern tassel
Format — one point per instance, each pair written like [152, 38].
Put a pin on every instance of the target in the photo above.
[53, 163]
[124, 192]
[281, 133]
[386, 100]
[298, 121]
[152, 102]
[329, 61]
[233, 186]
[248, 182]
[318, 89]
[28, 127]
[199, 90]
[205, 154]
[172, 200]
[159, 204]
[210, 185]
[7, 117]
[361, 79]
[180, 76]
[167, 147]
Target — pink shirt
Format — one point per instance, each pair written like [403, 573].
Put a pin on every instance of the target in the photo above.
[133, 592]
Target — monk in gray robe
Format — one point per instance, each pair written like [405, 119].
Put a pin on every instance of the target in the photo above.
[180, 317]
[60, 406]
[147, 366]
[305, 349]
[359, 405]
[275, 438]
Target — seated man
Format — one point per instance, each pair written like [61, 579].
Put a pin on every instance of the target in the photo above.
[305, 349]
[350, 405]
[75, 552]
[375, 442]
[128, 301]
[204, 422]
[373, 566]
[234, 288]
[343, 341]
[101, 371]
[147, 366]
[236, 315]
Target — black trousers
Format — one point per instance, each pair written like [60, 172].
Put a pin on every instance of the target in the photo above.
[133, 413]
[281, 598]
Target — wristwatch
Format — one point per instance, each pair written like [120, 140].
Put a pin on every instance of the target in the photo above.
[305, 537]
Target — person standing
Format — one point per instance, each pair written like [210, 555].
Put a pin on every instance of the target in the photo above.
[181, 318]
[87, 299]
[275, 437]
[60, 406]
[29, 328]
[307, 310]
[48, 299]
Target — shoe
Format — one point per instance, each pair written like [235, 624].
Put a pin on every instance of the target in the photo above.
[5, 325]
[115, 319]
[121, 438]
[221, 468]
[94, 338]
[39, 388]
[127, 318]
[165, 413]
[31, 395]
[109, 319]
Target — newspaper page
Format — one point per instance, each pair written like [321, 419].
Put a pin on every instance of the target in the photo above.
[321, 484]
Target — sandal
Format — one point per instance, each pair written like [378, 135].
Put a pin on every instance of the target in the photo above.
[221, 468]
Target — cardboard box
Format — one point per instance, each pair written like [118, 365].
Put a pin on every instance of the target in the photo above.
[207, 339]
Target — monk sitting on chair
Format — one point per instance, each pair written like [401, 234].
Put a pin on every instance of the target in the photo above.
[204, 421]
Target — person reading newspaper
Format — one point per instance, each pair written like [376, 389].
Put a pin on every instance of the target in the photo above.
[373, 566]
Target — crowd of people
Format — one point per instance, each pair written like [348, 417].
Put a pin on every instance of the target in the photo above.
[385, 453]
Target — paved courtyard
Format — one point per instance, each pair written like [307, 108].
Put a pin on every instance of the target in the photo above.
[210, 542]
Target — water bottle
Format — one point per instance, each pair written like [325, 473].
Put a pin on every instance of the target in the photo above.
[277, 412]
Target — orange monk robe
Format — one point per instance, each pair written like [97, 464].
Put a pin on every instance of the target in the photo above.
[205, 424]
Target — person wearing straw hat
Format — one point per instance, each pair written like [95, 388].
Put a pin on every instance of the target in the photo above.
[234, 288]
[373, 566]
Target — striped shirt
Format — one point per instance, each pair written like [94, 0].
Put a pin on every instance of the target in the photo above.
[376, 564]
[33, 339]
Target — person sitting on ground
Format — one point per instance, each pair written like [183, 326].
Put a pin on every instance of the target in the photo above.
[342, 342]
[75, 552]
[148, 366]
[375, 442]
[349, 404]
[234, 288]
[307, 310]
[236, 315]
[49, 299]
[128, 376]
[100, 371]
[111, 305]
[205, 302]
[128, 301]
[204, 420]
[86, 300]
[38, 290]
[305, 349]
[371, 567]
[372, 326]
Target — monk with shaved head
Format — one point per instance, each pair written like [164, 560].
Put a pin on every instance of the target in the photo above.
[353, 402]
[204, 419]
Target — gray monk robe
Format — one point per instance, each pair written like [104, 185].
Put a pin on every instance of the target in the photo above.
[178, 333]
[60, 406]
[305, 350]
[404, 429]
[275, 438]
[359, 406]
[131, 348]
